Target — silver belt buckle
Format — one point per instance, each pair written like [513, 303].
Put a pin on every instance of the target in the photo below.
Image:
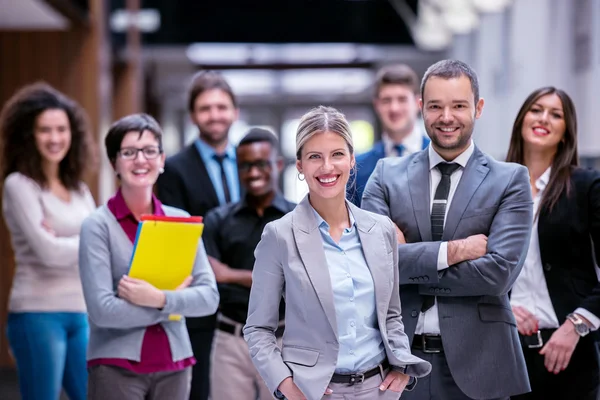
[425, 349]
[540, 342]
[356, 378]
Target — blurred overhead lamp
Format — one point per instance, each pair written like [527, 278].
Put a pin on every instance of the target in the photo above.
[491, 6]
[146, 20]
[218, 53]
[459, 16]
[430, 31]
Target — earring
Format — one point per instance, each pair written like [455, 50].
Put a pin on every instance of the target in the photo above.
[161, 170]
[301, 176]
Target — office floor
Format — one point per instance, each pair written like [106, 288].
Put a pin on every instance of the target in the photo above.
[9, 385]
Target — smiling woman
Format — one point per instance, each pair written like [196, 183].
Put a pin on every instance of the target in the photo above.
[135, 352]
[327, 244]
[45, 149]
[556, 298]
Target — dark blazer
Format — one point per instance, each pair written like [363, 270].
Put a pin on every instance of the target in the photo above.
[566, 234]
[365, 165]
[185, 184]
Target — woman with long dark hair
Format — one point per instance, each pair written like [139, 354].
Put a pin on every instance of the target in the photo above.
[45, 150]
[556, 298]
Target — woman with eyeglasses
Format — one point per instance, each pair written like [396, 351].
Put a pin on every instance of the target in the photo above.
[135, 352]
[46, 146]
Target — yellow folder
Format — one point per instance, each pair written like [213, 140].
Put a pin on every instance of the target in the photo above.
[165, 250]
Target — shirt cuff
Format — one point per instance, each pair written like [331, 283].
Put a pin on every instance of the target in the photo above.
[442, 261]
[594, 320]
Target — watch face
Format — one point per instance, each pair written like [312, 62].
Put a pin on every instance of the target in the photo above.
[582, 329]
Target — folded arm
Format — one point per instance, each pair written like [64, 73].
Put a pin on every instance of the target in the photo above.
[23, 211]
[263, 314]
[104, 308]
[201, 298]
[495, 272]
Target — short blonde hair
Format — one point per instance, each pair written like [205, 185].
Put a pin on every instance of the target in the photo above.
[322, 119]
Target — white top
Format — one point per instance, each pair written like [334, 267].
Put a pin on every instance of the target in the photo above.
[46, 265]
[412, 143]
[530, 290]
[429, 321]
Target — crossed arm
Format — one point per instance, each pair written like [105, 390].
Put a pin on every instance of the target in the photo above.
[471, 272]
[137, 303]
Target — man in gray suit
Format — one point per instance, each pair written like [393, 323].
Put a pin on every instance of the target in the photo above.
[466, 220]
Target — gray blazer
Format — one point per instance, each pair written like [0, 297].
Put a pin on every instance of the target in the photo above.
[117, 327]
[476, 321]
[290, 261]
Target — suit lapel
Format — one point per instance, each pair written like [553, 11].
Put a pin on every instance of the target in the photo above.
[373, 248]
[418, 185]
[310, 247]
[474, 173]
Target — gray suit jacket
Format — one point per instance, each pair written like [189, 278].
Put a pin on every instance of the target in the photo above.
[290, 261]
[476, 320]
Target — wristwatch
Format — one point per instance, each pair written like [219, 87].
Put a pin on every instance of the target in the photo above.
[580, 327]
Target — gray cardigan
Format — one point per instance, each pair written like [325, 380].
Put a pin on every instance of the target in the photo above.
[117, 327]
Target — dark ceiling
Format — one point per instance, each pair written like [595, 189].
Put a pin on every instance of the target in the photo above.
[275, 21]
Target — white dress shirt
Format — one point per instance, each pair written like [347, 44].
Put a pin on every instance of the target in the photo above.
[530, 290]
[412, 143]
[429, 321]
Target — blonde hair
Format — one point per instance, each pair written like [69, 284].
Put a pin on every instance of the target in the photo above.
[322, 119]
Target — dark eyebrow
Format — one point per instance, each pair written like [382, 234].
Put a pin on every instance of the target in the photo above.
[552, 109]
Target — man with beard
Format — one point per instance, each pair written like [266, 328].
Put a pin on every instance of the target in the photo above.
[464, 223]
[396, 102]
[200, 177]
[231, 234]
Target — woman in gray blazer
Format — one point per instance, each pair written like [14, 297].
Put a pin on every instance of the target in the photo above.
[135, 352]
[336, 267]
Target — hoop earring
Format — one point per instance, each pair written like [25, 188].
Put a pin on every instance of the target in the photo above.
[301, 176]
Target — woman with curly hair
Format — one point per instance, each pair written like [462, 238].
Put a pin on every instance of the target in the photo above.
[45, 149]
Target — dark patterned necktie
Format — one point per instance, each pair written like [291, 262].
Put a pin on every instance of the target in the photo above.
[399, 149]
[438, 213]
[220, 159]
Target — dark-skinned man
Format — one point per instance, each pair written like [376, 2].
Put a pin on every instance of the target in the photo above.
[231, 233]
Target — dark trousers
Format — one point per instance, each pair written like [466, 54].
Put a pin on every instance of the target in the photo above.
[439, 384]
[580, 381]
[201, 332]
[115, 383]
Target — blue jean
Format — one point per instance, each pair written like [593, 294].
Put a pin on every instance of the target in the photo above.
[50, 350]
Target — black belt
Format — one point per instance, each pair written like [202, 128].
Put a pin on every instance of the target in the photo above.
[537, 340]
[428, 343]
[351, 379]
[230, 328]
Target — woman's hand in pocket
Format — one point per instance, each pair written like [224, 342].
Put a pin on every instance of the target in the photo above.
[395, 381]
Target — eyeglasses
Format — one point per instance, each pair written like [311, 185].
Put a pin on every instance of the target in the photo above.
[262, 165]
[149, 152]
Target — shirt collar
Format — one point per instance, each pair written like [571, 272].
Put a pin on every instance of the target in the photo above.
[207, 152]
[462, 159]
[121, 210]
[413, 142]
[543, 180]
[278, 202]
[322, 223]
